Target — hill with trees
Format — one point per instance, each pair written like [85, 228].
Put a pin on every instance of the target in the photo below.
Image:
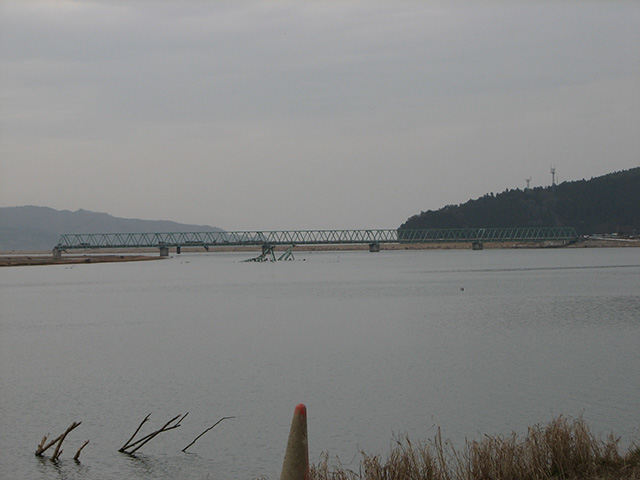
[606, 204]
[39, 228]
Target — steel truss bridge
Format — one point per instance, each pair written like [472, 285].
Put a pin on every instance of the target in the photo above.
[373, 238]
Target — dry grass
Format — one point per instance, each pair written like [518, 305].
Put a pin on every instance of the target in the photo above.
[562, 449]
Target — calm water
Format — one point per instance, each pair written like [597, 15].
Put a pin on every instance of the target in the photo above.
[375, 345]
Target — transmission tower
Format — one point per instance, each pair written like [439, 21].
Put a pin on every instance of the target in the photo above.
[553, 175]
[528, 180]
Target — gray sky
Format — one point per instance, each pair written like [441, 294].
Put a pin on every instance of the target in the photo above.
[334, 114]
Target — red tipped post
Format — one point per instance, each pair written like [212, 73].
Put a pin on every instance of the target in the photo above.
[296, 458]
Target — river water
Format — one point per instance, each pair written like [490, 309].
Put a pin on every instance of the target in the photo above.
[377, 345]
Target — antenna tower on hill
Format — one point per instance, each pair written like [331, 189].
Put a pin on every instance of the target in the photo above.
[528, 180]
[553, 175]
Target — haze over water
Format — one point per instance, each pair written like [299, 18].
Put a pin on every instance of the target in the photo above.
[375, 345]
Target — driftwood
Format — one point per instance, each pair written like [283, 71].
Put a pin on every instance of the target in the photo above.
[56, 441]
[130, 447]
[126, 444]
[42, 447]
[57, 452]
[211, 427]
[77, 455]
[127, 447]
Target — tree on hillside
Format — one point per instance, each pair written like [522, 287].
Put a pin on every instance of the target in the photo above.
[606, 204]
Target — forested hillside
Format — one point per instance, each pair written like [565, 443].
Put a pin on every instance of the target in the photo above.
[607, 204]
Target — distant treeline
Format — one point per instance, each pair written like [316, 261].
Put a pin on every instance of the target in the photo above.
[607, 204]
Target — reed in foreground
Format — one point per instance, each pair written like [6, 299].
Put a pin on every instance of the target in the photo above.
[562, 449]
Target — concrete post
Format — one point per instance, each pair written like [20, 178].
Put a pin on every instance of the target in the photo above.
[296, 457]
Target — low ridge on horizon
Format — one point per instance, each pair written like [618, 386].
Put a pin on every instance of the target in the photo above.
[605, 204]
[29, 227]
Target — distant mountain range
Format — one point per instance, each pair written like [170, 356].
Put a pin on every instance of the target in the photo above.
[31, 228]
[606, 204]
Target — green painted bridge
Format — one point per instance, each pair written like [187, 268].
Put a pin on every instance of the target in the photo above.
[163, 241]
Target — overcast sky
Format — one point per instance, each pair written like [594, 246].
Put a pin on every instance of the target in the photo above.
[309, 115]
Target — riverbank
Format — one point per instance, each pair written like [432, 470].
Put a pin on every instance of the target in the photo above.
[35, 259]
[561, 449]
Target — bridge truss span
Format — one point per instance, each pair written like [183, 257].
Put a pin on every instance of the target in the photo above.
[71, 241]
[515, 234]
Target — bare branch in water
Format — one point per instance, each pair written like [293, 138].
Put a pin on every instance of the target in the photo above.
[57, 452]
[144, 440]
[126, 445]
[196, 439]
[77, 455]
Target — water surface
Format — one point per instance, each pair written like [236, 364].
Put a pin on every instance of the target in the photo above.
[375, 345]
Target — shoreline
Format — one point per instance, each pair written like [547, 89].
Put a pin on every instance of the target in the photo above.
[14, 259]
[18, 260]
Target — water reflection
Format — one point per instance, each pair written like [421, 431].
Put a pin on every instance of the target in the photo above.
[63, 469]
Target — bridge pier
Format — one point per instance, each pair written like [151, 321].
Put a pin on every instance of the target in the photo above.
[374, 247]
[164, 251]
[477, 245]
[57, 254]
[178, 249]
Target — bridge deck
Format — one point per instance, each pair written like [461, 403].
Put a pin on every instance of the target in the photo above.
[310, 237]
